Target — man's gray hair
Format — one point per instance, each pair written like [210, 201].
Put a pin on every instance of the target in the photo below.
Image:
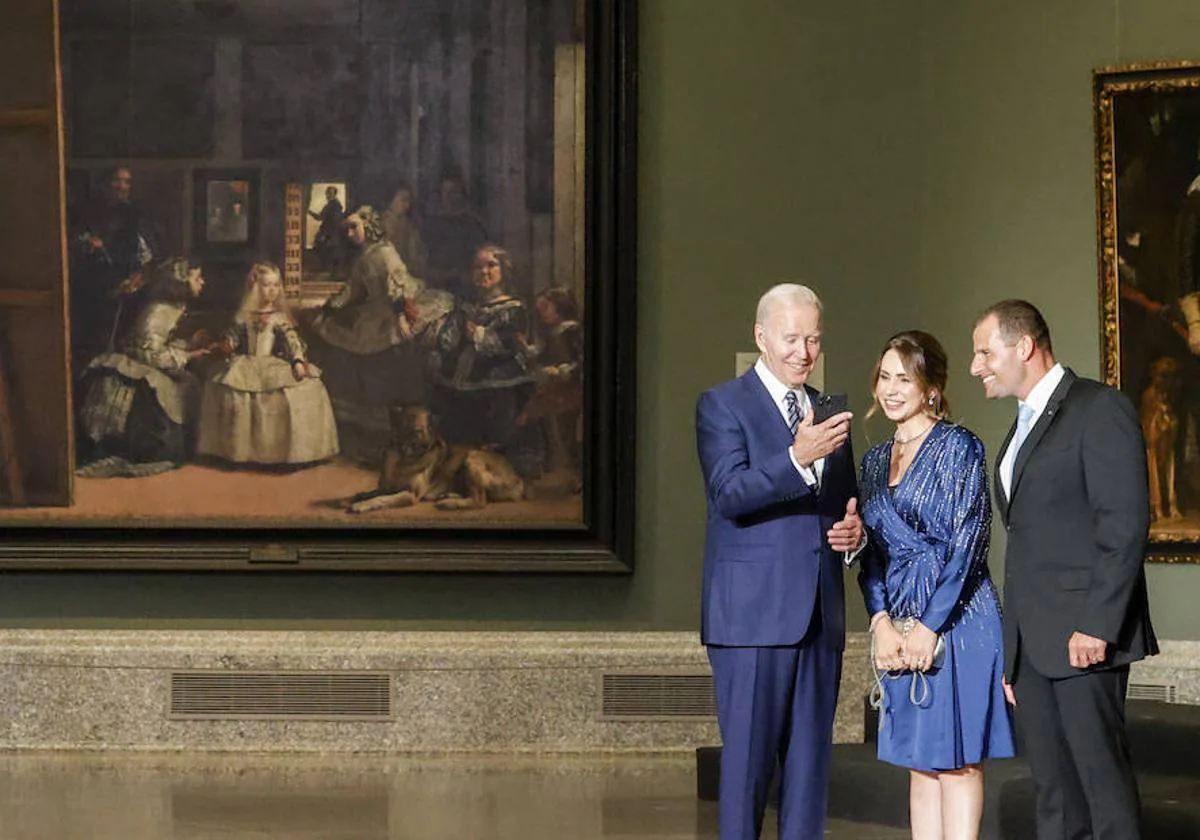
[785, 293]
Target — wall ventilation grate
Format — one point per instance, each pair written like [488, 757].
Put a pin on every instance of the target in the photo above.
[281, 695]
[1164, 692]
[676, 696]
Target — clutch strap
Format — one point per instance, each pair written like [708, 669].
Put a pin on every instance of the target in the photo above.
[918, 689]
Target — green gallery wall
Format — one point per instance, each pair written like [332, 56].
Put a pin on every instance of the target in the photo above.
[911, 161]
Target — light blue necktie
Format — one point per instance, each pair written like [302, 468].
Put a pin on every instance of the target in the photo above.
[1024, 421]
[793, 411]
[1024, 416]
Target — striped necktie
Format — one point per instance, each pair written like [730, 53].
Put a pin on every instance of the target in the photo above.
[793, 411]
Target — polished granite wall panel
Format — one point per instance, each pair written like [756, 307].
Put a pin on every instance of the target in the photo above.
[1178, 665]
[477, 692]
[453, 691]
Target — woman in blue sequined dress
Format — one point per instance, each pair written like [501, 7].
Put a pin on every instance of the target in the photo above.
[925, 503]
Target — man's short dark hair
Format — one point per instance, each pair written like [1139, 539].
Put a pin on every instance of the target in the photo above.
[1019, 318]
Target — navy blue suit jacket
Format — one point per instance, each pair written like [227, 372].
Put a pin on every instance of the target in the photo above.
[766, 556]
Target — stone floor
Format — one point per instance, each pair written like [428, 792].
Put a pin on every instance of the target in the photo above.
[279, 796]
[234, 797]
[128, 796]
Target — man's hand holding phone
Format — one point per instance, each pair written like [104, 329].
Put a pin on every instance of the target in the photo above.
[823, 429]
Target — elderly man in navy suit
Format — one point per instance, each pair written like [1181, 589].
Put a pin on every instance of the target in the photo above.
[782, 519]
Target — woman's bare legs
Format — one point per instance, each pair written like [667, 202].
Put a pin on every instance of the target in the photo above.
[962, 802]
[925, 805]
[946, 805]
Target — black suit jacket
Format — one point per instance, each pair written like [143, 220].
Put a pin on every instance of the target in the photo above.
[1077, 521]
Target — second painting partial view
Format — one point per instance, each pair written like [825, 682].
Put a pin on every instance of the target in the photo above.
[326, 263]
[1148, 160]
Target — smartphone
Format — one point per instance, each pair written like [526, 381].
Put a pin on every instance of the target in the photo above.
[827, 405]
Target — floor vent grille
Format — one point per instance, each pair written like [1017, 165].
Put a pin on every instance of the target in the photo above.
[1143, 689]
[678, 696]
[281, 695]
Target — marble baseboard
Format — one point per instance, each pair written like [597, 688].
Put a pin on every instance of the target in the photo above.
[1176, 668]
[453, 691]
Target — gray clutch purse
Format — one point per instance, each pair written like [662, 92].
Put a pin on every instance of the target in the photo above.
[905, 626]
[919, 689]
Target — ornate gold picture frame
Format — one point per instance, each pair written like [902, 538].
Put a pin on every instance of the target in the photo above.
[1147, 128]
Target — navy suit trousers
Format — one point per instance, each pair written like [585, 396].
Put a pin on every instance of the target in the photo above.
[775, 707]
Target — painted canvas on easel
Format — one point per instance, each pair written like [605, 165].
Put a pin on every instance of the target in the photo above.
[326, 264]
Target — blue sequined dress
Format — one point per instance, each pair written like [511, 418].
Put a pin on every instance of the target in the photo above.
[928, 558]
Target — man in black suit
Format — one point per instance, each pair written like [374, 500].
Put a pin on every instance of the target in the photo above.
[1072, 492]
[113, 243]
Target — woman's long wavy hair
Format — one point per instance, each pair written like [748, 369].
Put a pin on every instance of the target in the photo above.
[252, 302]
[924, 359]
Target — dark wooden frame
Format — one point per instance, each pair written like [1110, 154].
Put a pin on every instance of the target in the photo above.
[1139, 321]
[603, 542]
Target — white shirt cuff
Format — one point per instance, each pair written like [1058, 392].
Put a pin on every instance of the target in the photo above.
[807, 473]
[848, 557]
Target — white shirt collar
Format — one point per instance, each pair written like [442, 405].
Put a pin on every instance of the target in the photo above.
[779, 392]
[777, 389]
[1040, 394]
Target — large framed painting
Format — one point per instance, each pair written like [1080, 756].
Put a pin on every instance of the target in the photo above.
[1148, 169]
[347, 284]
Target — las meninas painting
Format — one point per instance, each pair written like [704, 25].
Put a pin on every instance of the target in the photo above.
[328, 267]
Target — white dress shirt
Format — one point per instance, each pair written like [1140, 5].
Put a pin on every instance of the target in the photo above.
[1037, 399]
[811, 475]
[779, 392]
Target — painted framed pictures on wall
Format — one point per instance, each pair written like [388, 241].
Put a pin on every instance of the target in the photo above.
[227, 209]
[1147, 120]
[398, 241]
